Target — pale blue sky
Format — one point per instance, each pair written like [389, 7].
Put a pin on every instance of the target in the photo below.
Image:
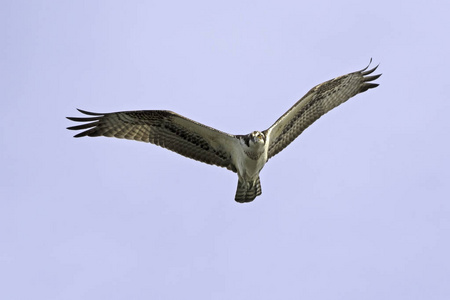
[356, 208]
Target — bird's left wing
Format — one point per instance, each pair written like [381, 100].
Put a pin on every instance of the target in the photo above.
[318, 101]
[163, 128]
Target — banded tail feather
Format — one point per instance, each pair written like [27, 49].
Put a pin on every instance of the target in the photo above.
[247, 191]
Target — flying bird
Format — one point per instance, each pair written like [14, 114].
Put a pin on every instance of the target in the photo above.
[245, 154]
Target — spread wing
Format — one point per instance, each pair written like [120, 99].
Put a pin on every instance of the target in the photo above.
[318, 101]
[163, 128]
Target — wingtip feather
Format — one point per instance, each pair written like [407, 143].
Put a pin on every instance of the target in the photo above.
[371, 78]
[367, 86]
[81, 134]
[89, 112]
[83, 126]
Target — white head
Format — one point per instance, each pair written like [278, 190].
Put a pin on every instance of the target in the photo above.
[257, 137]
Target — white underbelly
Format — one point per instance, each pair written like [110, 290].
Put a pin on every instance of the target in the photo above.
[248, 168]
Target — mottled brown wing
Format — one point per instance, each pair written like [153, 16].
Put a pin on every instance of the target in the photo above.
[163, 128]
[318, 101]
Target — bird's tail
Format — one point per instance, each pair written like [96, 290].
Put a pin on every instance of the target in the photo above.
[247, 190]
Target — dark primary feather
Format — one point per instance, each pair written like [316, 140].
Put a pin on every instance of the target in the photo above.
[318, 101]
[163, 128]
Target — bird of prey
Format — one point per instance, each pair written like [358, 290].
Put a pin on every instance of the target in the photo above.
[246, 154]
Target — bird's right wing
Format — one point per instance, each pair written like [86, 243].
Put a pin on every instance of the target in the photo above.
[163, 128]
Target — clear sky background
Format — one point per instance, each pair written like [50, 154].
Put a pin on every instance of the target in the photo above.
[358, 207]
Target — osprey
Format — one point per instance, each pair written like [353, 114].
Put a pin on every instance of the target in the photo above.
[245, 155]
